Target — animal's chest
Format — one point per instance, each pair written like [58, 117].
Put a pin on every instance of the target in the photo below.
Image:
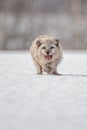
[48, 67]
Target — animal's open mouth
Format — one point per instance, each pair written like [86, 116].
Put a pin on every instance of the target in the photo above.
[48, 57]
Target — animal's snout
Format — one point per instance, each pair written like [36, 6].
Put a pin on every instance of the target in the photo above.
[48, 52]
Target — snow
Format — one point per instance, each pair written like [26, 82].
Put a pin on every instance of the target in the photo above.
[43, 102]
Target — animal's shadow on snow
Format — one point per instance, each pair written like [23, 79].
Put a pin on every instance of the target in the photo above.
[75, 75]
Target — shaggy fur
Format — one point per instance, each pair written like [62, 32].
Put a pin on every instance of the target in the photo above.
[46, 52]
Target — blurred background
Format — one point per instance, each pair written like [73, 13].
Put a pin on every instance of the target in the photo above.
[21, 21]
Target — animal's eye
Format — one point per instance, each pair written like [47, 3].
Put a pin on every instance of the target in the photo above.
[44, 48]
[51, 47]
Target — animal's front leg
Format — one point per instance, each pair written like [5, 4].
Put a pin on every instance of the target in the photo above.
[39, 70]
[38, 67]
[56, 73]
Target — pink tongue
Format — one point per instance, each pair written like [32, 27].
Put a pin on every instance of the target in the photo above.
[48, 57]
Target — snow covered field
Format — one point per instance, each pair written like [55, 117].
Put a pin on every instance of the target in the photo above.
[43, 102]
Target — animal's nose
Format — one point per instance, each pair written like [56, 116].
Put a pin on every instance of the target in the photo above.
[47, 52]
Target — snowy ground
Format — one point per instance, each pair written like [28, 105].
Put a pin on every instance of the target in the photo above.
[43, 102]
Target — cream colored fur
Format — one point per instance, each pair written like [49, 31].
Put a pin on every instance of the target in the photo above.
[43, 61]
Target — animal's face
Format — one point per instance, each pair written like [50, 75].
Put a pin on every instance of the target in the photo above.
[48, 48]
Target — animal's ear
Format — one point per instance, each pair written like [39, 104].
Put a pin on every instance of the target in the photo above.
[57, 42]
[38, 42]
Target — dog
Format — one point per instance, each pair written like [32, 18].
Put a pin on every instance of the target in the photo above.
[46, 52]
